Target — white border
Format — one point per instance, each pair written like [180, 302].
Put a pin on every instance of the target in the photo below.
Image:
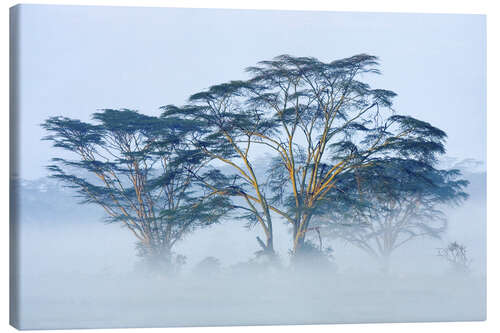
[422, 6]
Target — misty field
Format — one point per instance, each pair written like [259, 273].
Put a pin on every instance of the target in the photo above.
[255, 299]
[84, 275]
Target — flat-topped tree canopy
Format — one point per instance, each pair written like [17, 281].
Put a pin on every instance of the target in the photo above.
[331, 122]
[141, 170]
[316, 119]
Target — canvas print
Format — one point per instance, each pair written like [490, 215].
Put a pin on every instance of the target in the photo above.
[198, 167]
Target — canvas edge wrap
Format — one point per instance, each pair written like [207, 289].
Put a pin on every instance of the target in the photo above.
[14, 18]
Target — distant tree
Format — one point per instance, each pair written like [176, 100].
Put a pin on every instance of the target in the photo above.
[391, 202]
[140, 169]
[208, 267]
[456, 255]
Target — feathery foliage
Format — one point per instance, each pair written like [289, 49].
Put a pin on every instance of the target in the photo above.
[141, 170]
[390, 203]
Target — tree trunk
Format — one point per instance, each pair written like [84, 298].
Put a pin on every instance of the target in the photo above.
[157, 258]
[301, 259]
[267, 247]
[299, 241]
[299, 235]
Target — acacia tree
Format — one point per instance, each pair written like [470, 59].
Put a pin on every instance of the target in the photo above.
[139, 169]
[456, 255]
[229, 132]
[391, 203]
[330, 122]
[318, 119]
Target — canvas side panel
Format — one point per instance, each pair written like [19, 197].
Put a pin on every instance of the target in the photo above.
[14, 167]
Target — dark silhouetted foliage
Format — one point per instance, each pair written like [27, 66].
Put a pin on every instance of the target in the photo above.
[141, 170]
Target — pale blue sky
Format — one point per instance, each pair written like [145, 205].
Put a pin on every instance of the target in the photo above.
[74, 60]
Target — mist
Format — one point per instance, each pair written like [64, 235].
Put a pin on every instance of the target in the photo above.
[78, 272]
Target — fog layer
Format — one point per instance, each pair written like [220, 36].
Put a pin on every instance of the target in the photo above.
[77, 272]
